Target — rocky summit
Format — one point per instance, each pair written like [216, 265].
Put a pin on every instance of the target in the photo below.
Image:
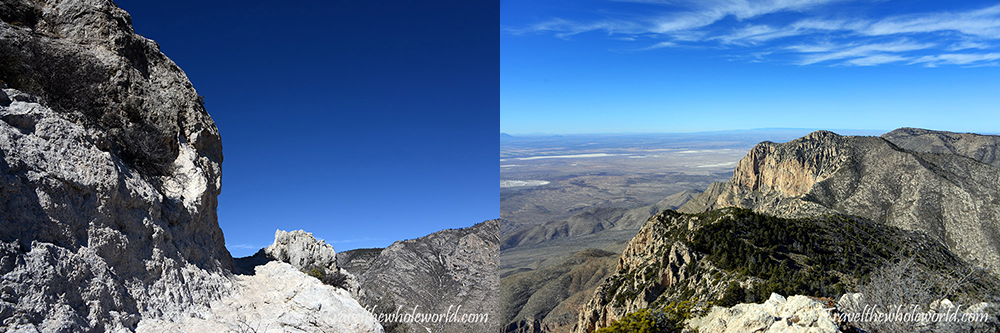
[110, 168]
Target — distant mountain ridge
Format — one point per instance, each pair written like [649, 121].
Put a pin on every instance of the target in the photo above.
[983, 148]
[436, 273]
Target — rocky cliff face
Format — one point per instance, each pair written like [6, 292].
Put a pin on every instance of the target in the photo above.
[949, 192]
[109, 172]
[450, 271]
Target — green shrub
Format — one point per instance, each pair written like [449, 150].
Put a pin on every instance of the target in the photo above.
[336, 278]
[669, 319]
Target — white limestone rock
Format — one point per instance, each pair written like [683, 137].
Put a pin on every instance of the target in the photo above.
[278, 298]
[302, 250]
[778, 314]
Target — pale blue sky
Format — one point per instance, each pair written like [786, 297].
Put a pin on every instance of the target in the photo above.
[680, 66]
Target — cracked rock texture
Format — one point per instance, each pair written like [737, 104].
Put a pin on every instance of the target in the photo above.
[109, 171]
[948, 186]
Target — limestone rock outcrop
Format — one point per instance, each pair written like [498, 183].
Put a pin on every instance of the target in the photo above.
[778, 314]
[730, 256]
[109, 172]
[277, 298]
[302, 251]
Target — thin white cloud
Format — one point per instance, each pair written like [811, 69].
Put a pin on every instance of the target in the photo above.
[876, 60]
[956, 58]
[864, 51]
[659, 45]
[965, 45]
[982, 23]
[244, 247]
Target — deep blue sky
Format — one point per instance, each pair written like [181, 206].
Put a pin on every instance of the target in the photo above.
[599, 66]
[364, 122]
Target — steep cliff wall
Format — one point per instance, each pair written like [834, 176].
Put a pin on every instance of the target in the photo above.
[109, 174]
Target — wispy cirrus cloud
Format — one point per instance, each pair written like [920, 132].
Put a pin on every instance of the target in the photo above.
[956, 59]
[803, 32]
[872, 52]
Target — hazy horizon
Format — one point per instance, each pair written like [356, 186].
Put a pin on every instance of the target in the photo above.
[852, 130]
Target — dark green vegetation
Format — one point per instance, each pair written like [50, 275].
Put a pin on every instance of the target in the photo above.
[334, 278]
[791, 256]
[668, 319]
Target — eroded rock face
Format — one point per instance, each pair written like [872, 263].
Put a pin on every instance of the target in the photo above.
[948, 191]
[302, 251]
[109, 172]
[654, 263]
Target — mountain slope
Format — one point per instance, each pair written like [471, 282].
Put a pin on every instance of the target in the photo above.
[983, 148]
[952, 198]
[733, 255]
[549, 299]
[595, 220]
[449, 271]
